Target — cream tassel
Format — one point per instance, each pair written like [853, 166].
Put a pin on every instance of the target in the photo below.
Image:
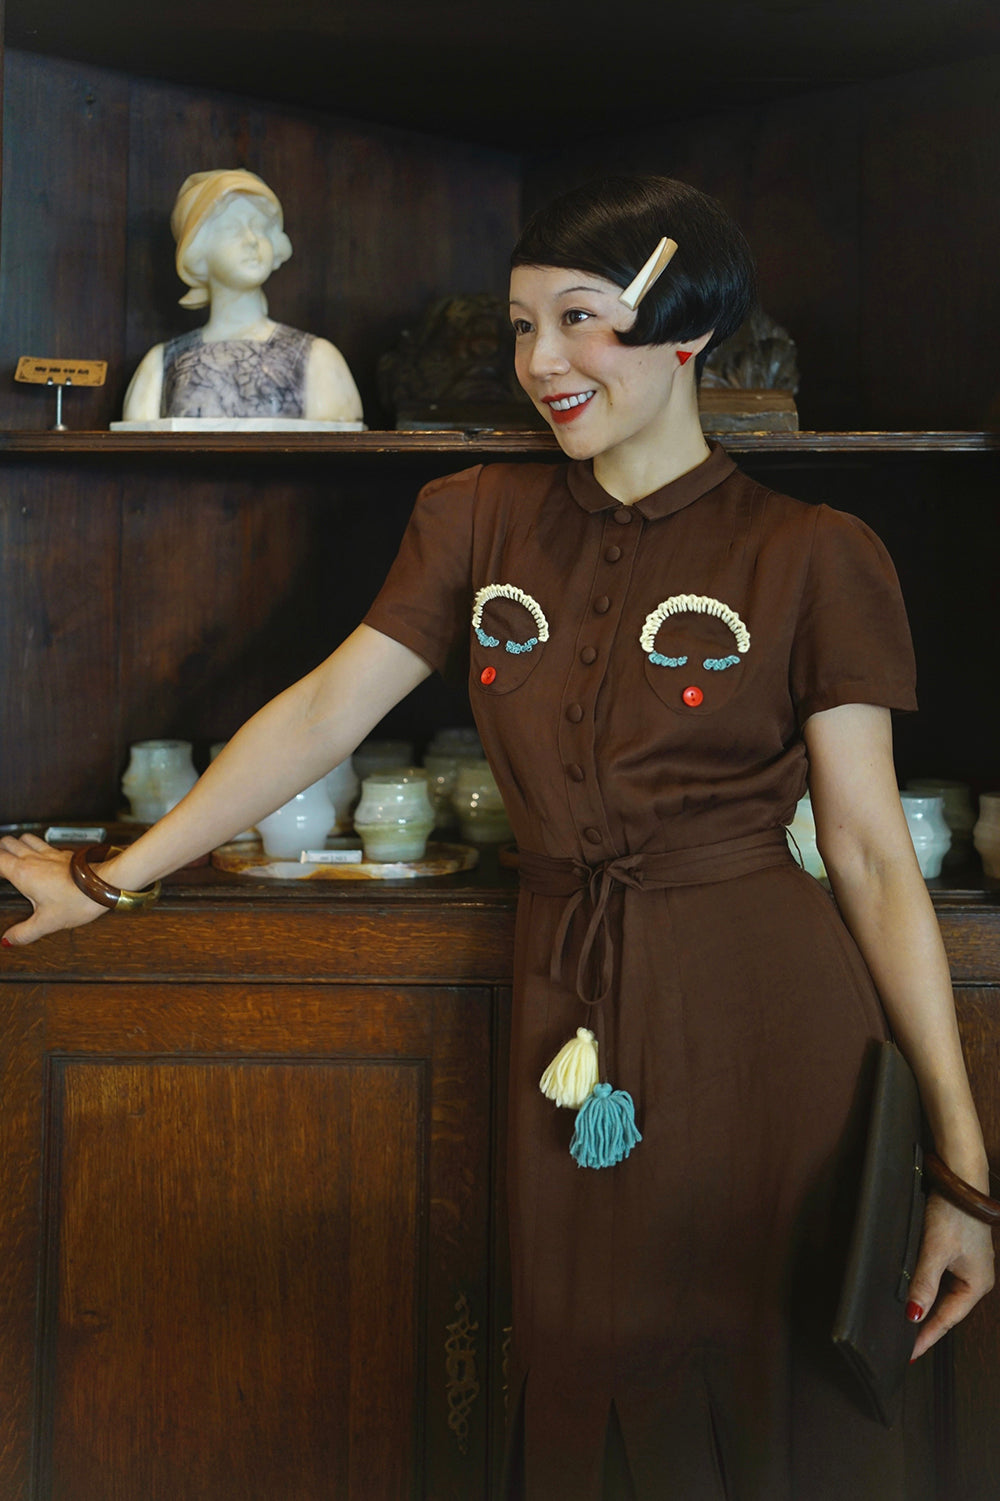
[572, 1074]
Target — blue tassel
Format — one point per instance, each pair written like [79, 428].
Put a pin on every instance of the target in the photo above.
[606, 1130]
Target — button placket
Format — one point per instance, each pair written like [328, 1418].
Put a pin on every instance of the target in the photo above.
[599, 623]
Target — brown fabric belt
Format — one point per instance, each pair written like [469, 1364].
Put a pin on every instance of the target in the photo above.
[549, 875]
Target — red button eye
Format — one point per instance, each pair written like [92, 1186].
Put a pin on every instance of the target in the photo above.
[488, 675]
[692, 696]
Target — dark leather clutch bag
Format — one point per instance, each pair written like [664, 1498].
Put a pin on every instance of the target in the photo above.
[871, 1327]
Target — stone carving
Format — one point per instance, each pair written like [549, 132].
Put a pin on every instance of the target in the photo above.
[759, 356]
[229, 229]
[749, 382]
[456, 369]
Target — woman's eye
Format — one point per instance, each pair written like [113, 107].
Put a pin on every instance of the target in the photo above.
[520, 325]
[577, 315]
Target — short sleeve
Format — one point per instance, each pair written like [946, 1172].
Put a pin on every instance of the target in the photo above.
[852, 642]
[425, 600]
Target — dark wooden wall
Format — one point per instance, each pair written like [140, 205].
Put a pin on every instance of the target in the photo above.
[874, 212]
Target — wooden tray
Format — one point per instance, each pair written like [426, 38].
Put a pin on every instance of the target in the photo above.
[250, 861]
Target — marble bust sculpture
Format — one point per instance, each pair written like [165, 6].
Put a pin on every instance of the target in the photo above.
[230, 236]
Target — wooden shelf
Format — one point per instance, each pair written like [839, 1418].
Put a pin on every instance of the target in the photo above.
[391, 444]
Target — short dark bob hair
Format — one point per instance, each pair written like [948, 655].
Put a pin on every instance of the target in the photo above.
[612, 226]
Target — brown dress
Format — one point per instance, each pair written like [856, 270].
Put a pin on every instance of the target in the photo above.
[671, 1313]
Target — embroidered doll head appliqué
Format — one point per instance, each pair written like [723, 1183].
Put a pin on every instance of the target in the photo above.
[710, 650]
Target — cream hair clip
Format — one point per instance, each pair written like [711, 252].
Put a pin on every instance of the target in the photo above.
[651, 271]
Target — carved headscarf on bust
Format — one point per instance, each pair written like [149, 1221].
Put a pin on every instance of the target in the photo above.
[199, 196]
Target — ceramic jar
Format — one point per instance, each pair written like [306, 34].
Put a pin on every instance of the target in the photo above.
[342, 788]
[300, 824]
[394, 816]
[158, 775]
[986, 834]
[481, 814]
[374, 756]
[930, 833]
[802, 838]
[959, 813]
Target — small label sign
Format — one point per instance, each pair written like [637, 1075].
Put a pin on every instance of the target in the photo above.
[39, 372]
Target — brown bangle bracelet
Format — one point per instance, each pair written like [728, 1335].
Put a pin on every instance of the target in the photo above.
[112, 897]
[955, 1189]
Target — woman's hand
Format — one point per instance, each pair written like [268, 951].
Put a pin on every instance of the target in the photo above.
[954, 1270]
[41, 873]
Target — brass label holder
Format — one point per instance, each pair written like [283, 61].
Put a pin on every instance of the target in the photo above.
[60, 374]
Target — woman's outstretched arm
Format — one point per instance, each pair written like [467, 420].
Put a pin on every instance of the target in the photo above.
[291, 742]
[869, 857]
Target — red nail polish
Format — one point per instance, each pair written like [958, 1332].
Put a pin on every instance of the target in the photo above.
[914, 1312]
[6, 943]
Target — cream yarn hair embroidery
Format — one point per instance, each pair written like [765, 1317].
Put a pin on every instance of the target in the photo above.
[508, 591]
[692, 604]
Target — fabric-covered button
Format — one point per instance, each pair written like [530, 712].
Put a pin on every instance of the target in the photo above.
[575, 772]
[692, 697]
[588, 655]
[592, 836]
[612, 554]
[623, 515]
[602, 605]
[574, 713]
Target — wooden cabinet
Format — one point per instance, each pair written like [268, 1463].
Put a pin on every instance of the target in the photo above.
[250, 1188]
[254, 1239]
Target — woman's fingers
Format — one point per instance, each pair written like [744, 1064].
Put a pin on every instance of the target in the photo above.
[954, 1302]
[954, 1271]
[38, 845]
[41, 874]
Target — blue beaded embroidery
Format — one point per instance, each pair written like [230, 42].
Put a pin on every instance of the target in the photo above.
[485, 640]
[519, 646]
[719, 664]
[659, 660]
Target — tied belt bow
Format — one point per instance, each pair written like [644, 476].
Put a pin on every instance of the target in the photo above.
[548, 875]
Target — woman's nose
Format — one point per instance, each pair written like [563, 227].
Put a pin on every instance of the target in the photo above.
[547, 356]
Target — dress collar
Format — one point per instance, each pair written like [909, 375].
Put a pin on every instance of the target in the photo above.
[663, 502]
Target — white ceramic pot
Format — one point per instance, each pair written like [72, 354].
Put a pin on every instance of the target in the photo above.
[930, 833]
[802, 837]
[959, 813]
[986, 834]
[158, 775]
[342, 788]
[300, 824]
[481, 814]
[394, 816]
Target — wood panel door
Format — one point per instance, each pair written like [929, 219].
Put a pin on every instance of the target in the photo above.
[257, 1220]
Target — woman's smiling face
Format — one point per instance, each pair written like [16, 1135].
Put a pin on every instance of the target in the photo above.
[597, 393]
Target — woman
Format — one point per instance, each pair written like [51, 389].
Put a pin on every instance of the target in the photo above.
[659, 648]
[230, 234]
